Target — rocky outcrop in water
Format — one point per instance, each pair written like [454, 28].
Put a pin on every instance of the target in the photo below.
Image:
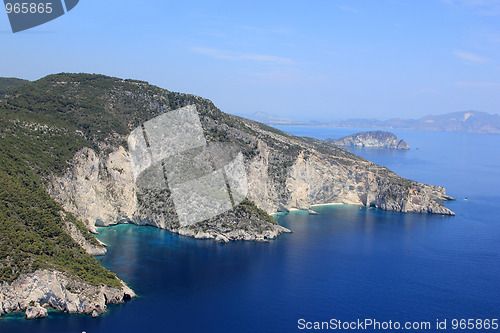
[371, 139]
[46, 289]
[35, 312]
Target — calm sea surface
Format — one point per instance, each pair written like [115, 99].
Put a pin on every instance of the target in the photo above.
[347, 263]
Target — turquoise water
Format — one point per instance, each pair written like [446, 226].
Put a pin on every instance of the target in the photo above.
[346, 263]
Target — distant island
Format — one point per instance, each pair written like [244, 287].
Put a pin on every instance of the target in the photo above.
[464, 121]
[371, 139]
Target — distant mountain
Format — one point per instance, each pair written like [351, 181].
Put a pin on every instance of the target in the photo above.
[372, 139]
[464, 121]
[265, 118]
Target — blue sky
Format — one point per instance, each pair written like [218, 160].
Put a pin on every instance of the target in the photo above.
[321, 60]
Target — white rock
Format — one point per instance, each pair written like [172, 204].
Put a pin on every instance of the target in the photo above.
[52, 289]
[35, 312]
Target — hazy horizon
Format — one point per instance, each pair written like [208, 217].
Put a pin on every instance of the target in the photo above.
[361, 118]
[326, 60]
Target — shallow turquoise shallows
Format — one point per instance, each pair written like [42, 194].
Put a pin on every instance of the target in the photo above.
[346, 263]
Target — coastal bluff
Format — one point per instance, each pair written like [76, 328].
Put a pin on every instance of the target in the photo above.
[371, 139]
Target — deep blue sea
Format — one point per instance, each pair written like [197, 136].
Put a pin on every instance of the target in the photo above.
[346, 263]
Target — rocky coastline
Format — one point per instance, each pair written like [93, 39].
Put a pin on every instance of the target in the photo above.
[46, 289]
[98, 188]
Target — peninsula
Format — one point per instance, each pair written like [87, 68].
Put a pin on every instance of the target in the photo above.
[65, 168]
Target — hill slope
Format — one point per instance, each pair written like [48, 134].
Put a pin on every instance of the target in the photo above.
[10, 83]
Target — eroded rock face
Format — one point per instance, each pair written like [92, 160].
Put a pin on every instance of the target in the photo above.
[375, 139]
[46, 289]
[317, 180]
[99, 189]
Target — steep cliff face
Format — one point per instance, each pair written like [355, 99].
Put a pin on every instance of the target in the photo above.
[321, 181]
[323, 173]
[99, 188]
[46, 289]
[376, 139]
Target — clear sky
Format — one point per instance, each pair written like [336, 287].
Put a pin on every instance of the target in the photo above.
[320, 60]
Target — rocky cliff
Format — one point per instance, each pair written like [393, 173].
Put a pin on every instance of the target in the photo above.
[47, 289]
[66, 135]
[372, 139]
[284, 172]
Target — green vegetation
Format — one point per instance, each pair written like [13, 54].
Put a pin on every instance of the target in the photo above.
[346, 157]
[97, 107]
[247, 207]
[34, 142]
[31, 229]
[8, 84]
[43, 148]
[82, 229]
